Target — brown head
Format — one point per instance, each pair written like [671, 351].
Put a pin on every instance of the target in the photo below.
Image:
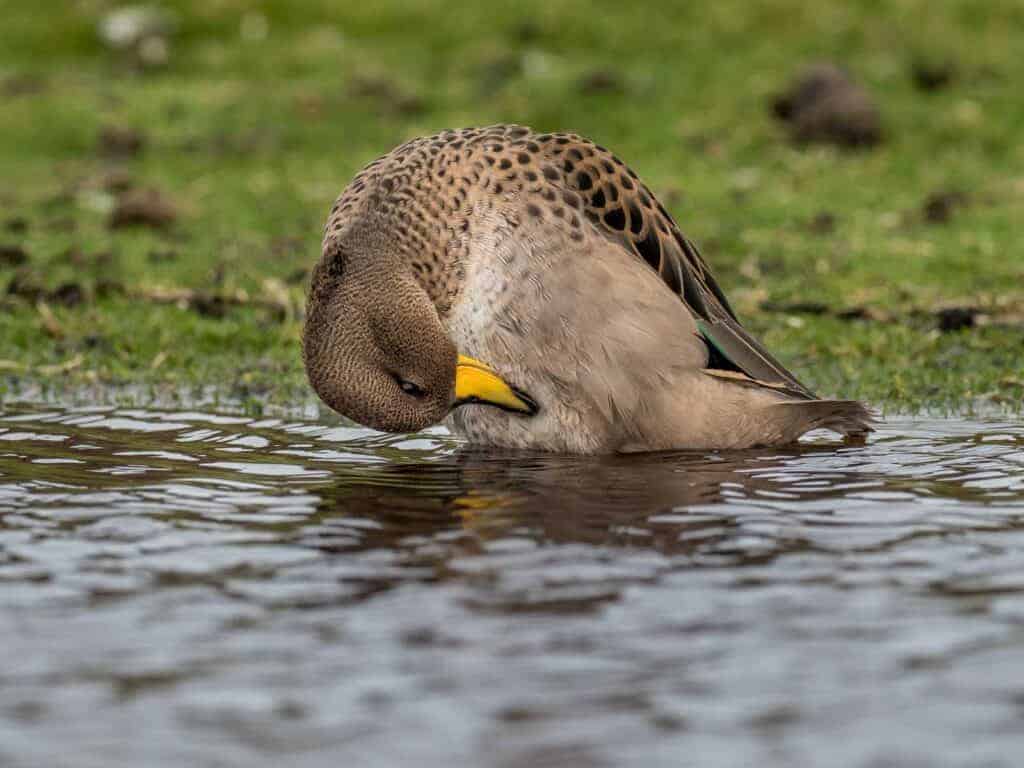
[374, 346]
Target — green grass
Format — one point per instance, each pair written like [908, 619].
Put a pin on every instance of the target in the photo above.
[253, 138]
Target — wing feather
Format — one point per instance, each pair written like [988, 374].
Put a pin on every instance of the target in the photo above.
[621, 206]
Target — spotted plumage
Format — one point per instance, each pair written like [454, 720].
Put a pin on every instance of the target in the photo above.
[520, 240]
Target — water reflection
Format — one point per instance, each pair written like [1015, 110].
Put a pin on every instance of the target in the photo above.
[601, 501]
[189, 588]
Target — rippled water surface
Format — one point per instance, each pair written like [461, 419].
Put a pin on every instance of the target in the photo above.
[187, 589]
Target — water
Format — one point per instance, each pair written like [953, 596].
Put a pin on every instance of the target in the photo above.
[186, 589]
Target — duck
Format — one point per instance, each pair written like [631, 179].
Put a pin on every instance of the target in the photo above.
[528, 291]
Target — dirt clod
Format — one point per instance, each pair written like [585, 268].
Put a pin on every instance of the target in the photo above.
[527, 31]
[387, 96]
[823, 223]
[143, 208]
[956, 318]
[825, 105]
[27, 286]
[120, 142]
[116, 180]
[67, 294]
[12, 255]
[208, 305]
[600, 81]
[932, 75]
[940, 206]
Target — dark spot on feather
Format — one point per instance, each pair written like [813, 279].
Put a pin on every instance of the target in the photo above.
[636, 219]
[575, 154]
[615, 218]
[550, 173]
[570, 198]
[523, 158]
[626, 183]
[650, 249]
[532, 146]
[583, 180]
[608, 167]
[533, 210]
[505, 164]
[597, 199]
[530, 176]
[613, 193]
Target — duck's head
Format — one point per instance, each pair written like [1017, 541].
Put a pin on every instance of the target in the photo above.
[374, 346]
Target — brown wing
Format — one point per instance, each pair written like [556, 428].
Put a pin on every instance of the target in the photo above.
[620, 205]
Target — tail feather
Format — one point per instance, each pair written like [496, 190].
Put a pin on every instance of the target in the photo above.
[788, 416]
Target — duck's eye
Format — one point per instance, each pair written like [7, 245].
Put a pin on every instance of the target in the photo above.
[411, 389]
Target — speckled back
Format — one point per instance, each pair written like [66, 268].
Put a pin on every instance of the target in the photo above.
[429, 192]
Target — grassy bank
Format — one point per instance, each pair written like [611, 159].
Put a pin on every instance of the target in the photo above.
[160, 206]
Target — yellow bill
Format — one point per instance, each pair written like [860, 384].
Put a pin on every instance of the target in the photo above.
[476, 382]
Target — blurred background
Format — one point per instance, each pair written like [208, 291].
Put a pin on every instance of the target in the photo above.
[852, 171]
